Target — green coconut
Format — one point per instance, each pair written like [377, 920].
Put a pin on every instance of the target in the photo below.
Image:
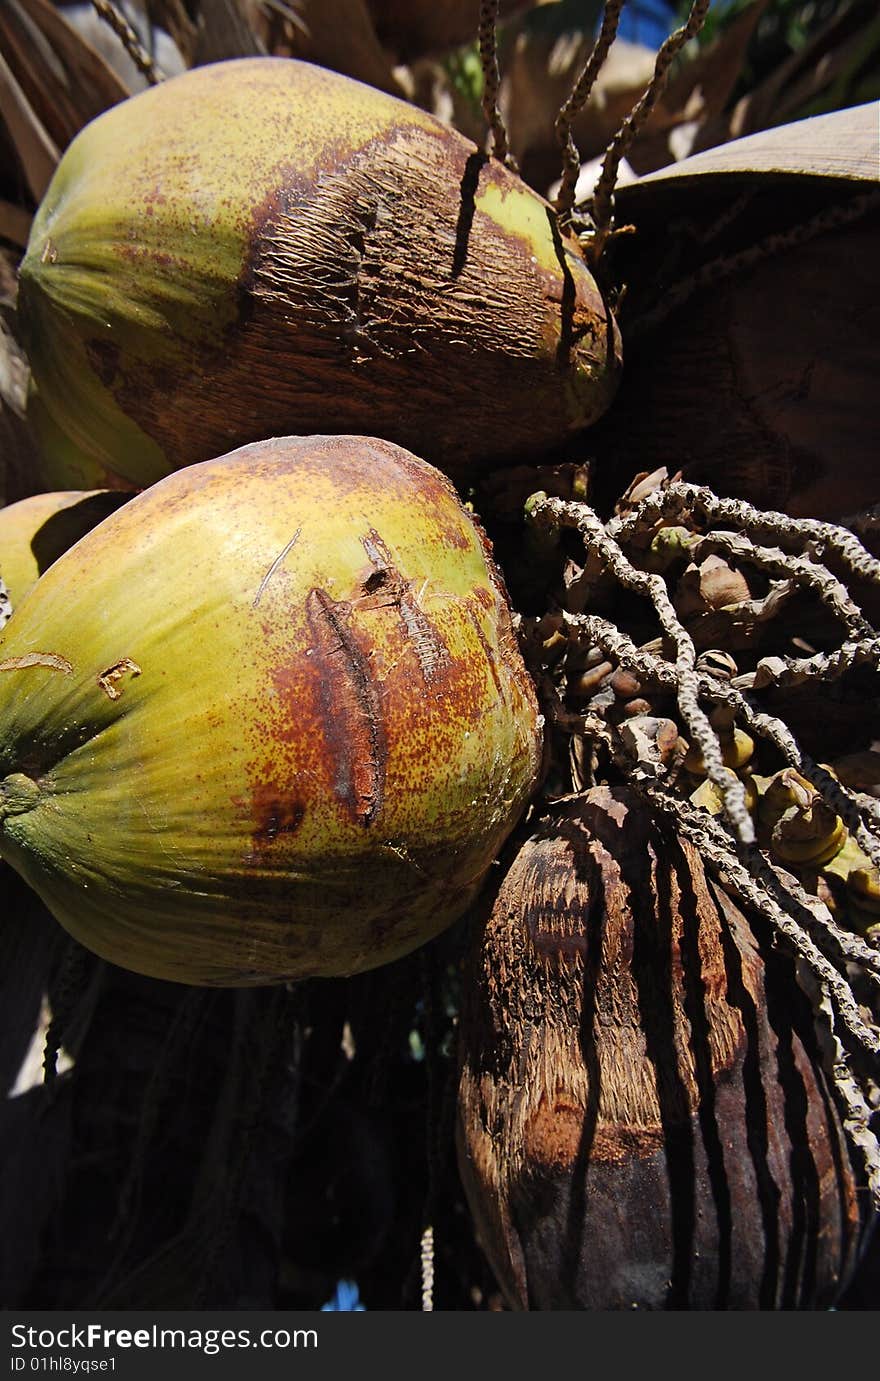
[35, 531]
[261, 247]
[269, 720]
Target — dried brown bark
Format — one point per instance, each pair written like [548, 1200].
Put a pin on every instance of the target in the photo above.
[642, 1120]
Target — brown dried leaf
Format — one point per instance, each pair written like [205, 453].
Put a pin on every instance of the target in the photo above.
[703, 87]
[173, 17]
[67, 82]
[37, 153]
[15, 223]
[826, 70]
[415, 28]
[841, 144]
[339, 34]
[227, 29]
[537, 80]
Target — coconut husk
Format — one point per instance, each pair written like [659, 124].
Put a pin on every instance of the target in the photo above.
[643, 1121]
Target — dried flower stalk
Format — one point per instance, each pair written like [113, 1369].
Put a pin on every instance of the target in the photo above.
[129, 39]
[492, 81]
[580, 94]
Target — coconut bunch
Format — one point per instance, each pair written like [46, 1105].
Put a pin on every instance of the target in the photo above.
[282, 713]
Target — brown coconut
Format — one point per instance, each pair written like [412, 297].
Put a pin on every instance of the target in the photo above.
[642, 1119]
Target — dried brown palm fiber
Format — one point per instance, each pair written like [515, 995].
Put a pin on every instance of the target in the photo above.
[182, 1105]
[37, 153]
[36, 1119]
[643, 1118]
[30, 950]
[175, 18]
[67, 992]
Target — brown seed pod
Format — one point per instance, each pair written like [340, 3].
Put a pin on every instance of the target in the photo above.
[642, 1119]
[713, 584]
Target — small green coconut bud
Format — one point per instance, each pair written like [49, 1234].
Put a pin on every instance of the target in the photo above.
[863, 885]
[779, 793]
[808, 835]
[261, 247]
[269, 720]
[737, 748]
[708, 796]
[669, 545]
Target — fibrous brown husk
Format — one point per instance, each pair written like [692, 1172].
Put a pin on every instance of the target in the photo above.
[642, 1119]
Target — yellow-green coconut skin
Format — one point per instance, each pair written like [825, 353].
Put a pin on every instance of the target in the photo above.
[261, 247]
[35, 531]
[267, 721]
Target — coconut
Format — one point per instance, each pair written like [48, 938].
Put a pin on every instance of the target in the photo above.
[261, 247]
[644, 1121]
[34, 532]
[269, 720]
